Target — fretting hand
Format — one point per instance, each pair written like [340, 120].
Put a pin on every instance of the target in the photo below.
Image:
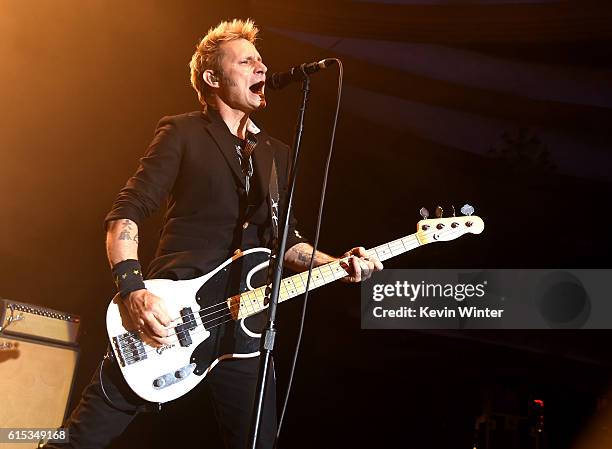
[360, 265]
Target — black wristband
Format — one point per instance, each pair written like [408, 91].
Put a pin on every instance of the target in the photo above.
[127, 275]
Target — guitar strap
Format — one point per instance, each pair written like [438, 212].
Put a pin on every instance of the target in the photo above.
[274, 198]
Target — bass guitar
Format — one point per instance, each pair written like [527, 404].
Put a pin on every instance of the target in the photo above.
[218, 315]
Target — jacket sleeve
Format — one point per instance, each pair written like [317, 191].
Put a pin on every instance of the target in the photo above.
[154, 178]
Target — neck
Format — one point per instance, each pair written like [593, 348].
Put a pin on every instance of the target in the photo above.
[235, 120]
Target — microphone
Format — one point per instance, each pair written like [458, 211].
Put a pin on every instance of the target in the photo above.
[283, 79]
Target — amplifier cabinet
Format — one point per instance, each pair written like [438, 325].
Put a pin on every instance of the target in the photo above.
[32, 321]
[36, 380]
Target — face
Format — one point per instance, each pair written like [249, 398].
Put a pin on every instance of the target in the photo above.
[241, 85]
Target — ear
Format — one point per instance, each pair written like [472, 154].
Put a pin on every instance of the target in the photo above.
[210, 78]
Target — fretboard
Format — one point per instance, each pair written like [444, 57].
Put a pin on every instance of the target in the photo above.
[253, 301]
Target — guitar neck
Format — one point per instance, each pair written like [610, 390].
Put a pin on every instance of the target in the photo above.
[253, 301]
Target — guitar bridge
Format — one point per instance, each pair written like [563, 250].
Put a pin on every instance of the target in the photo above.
[129, 348]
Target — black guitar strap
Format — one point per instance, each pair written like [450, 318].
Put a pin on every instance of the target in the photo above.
[274, 200]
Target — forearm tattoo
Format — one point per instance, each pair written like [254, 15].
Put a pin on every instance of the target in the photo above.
[304, 257]
[126, 231]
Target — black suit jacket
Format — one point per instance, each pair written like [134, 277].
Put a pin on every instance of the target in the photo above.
[192, 165]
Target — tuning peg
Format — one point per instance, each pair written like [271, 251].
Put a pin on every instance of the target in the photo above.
[439, 211]
[467, 210]
[424, 213]
[454, 215]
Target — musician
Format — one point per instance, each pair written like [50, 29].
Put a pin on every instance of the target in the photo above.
[217, 195]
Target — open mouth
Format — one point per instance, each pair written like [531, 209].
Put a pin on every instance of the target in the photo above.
[257, 88]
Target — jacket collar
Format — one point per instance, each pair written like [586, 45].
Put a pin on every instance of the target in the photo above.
[262, 156]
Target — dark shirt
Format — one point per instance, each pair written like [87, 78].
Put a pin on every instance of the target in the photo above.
[246, 163]
[192, 165]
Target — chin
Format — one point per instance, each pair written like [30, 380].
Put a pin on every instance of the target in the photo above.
[255, 107]
[259, 104]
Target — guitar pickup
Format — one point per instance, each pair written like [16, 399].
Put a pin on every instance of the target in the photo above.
[182, 330]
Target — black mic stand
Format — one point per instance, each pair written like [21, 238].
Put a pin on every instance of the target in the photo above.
[276, 270]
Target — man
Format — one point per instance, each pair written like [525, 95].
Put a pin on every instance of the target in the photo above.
[217, 198]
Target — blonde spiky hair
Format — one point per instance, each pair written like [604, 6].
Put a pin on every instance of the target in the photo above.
[208, 54]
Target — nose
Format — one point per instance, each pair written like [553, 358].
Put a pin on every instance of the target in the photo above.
[261, 68]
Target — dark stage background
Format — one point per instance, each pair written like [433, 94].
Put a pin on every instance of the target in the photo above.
[502, 104]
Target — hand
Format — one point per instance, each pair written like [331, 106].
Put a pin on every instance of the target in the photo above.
[360, 265]
[148, 313]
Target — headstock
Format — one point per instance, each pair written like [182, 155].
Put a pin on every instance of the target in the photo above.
[444, 229]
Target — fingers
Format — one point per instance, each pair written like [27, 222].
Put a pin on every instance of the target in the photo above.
[377, 264]
[356, 270]
[361, 265]
[154, 329]
[159, 312]
[359, 252]
[149, 314]
[367, 268]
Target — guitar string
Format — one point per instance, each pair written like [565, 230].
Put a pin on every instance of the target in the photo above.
[231, 312]
[179, 334]
[223, 304]
[237, 304]
[132, 346]
[289, 279]
[299, 276]
[286, 280]
[133, 358]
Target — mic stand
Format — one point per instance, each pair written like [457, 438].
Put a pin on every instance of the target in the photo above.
[276, 269]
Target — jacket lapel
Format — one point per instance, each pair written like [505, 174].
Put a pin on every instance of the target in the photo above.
[218, 131]
[262, 159]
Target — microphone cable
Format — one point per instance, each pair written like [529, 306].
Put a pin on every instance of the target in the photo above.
[314, 250]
